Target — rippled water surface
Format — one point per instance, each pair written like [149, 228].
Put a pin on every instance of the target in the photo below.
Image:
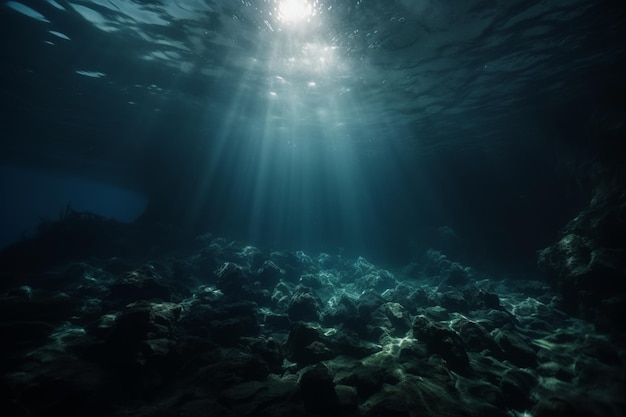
[424, 72]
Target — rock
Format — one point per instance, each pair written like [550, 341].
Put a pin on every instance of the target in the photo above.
[241, 393]
[601, 350]
[141, 331]
[234, 281]
[305, 345]
[227, 332]
[246, 254]
[378, 324]
[437, 313]
[20, 335]
[253, 398]
[412, 350]
[611, 313]
[196, 318]
[289, 263]
[388, 408]
[563, 407]
[367, 380]
[304, 305]
[454, 301]
[476, 338]
[40, 306]
[281, 297]
[199, 406]
[342, 311]
[231, 366]
[414, 396]
[588, 262]
[555, 370]
[56, 395]
[24, 292]
[311, 281]
[223, 321]
[497, 319]
[489, 393]
[258, 260]
[516, 385]
[117, 265]
[242, 314]
[516, 350]
[444, 342]
[393, 318]
[350, 344]
[362, 267]
[490, 300]
[318, 392]
[419, 298]
[318, 351]
[143, 283]
[268, 349]
[455, 275]
[269, 274]
[401, 295]
[368, 302]
[378, 280]
[347, 399]
[237, 309]
[277, 322]
[140, 347]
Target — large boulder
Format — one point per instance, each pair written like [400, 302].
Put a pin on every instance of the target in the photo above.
[305, 345]
[588, 262]
[304, 305]
[443, 342]
[318, 391]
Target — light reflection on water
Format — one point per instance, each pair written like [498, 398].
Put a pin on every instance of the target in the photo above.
[425, 67]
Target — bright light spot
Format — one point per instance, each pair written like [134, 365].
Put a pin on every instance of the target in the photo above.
[59, 34]
[27, 11]
[55, 4]
[92, 74]
[294, 11]
[312, 84]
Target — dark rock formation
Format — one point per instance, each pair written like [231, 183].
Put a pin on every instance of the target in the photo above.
[305, 345]
[318, 392]
[516, 349]
[516, 385]
[142, 283]
[444, 342]
[367, 380]
[304, 305]
[128, 336]
[588, 262]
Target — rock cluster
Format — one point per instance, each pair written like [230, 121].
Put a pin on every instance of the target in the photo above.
[228, 329]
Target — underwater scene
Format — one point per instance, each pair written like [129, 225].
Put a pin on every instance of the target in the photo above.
[355, 208]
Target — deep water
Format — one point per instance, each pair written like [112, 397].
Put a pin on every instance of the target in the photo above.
[277, 202]
[365, 127]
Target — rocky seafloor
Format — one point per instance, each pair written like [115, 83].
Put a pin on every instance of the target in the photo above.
[228, 329]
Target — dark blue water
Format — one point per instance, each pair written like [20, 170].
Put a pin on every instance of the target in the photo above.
[32, 195]
[364, 127]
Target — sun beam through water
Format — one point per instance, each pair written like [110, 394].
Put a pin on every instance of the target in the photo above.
[294, 11]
